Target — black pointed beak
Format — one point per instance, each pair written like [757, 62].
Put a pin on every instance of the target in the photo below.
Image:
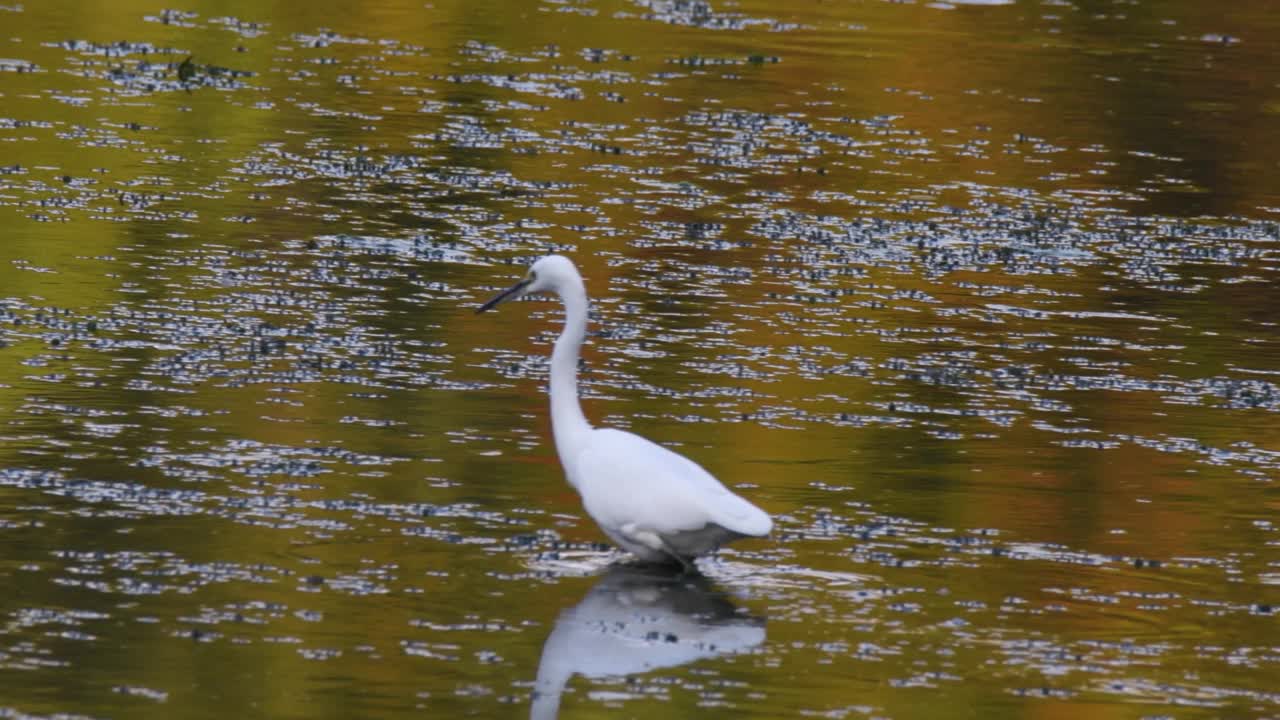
[510, 293]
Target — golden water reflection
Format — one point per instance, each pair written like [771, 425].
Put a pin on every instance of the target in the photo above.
[975, 299]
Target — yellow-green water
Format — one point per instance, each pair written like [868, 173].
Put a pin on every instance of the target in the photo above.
[976, 299]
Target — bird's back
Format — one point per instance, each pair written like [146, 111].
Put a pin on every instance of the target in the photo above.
[625, 479]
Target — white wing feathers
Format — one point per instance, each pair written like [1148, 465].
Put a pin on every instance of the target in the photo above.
[624, 478]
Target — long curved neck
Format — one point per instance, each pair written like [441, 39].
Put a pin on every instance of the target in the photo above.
[568, 423]
[554, 671]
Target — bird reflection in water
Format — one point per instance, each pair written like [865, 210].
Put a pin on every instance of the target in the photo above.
[637, 619]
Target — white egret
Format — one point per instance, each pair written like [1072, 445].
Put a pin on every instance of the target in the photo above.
[656, 504]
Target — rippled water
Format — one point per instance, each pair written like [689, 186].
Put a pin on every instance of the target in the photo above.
[978, 299]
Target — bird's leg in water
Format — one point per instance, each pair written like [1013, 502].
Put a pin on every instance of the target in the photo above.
[688, 567]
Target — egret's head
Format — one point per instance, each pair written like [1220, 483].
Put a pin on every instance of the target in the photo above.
[547, 274]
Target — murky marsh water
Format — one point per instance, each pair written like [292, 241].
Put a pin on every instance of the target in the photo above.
[977, 300]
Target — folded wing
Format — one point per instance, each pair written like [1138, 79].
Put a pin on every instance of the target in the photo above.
[624, 478]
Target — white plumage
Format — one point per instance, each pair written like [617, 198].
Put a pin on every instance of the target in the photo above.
[651, 501]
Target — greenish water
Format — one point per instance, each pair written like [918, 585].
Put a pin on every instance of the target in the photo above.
[977, 300]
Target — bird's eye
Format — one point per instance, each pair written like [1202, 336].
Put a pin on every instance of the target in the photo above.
[532, 276]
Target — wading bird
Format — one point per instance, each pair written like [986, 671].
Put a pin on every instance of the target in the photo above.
[655, 503]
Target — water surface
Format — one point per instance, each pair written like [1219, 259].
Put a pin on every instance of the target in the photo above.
[977, 299]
